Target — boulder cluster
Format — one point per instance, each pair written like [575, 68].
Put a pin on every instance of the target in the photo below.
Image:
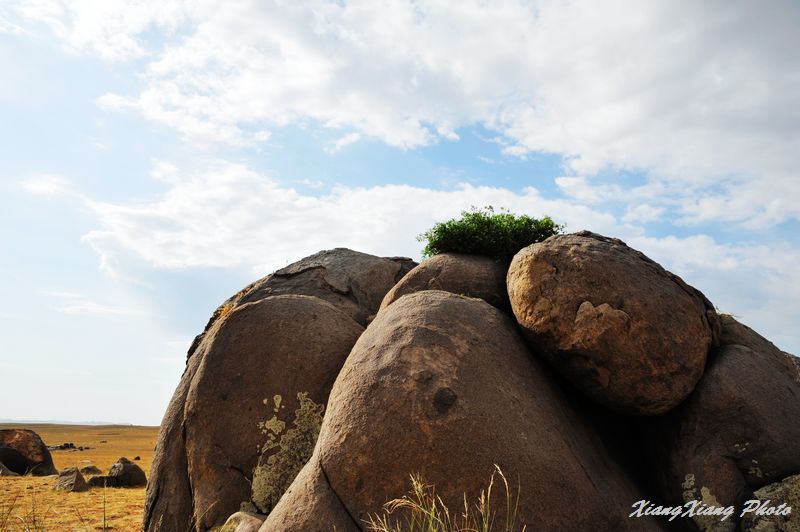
[123, 474]
[589, 374]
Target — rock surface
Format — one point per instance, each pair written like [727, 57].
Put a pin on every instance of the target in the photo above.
[29, 445]
[785, 492]
[468, 275]
[310, 504]
[70, 479]
[620, 328]
[733, 332]
[236, 399]
[353, 282]
[443, 385]
[91, 470]
[243, 522]
[101, 481]
[126, 474]
[737, 432]
[123, 474]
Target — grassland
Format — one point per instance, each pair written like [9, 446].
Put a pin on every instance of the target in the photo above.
[26, 499]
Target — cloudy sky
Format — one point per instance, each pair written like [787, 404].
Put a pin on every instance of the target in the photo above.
[156, 156]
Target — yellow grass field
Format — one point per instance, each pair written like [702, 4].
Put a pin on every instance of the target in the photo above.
[24, 500]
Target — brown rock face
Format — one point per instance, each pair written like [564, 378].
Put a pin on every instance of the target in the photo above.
[623, 330]
[780, 495]
[70, 479]
[29, 445]
[468, 275]
[444, 386]
[737, 432]
[236, 399]
[733, 332]
[243, 522]
[310, 504]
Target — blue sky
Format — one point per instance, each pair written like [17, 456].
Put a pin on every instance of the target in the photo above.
[158, 156]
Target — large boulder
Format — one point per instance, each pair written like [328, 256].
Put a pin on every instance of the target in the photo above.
[468, 275]
[123, 474]
[443, 385]
[253, 368]
[622, 329]
[774, 517]
[737, 432]
[126, 474]
[36, 459]
[70, 479]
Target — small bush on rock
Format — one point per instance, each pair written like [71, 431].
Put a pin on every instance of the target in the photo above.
[484, 232]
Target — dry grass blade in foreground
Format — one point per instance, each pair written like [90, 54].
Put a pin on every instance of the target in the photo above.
[424, 511]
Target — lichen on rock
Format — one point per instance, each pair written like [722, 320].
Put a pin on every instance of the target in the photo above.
[284, 454]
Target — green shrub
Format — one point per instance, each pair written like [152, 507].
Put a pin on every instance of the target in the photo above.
[484, 232]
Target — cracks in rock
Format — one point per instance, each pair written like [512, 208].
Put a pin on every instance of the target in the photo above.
[148, 519]
[230, 465]
[188, 478]
[341, 502]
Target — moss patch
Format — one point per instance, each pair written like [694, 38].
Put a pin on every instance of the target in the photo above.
[285, 453]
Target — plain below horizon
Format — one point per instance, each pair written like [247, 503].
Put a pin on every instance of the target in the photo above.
[6, 421]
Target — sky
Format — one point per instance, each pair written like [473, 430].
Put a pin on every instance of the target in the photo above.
[156, 157]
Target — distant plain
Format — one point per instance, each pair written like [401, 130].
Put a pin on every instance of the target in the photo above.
[25, 499]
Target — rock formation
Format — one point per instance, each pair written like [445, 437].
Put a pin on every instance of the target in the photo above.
[601, 380]
[278, 342]
[737, 432]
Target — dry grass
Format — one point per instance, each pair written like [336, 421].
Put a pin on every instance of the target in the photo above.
[422, 510]
[30, 503]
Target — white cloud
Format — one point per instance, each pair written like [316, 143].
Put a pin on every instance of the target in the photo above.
[758, 283]
[111, 29]
[700, 95]
[643, 213]
[336, 145]
[75, 303]
[46, 185]
[227, 215]
[6, 26]
[579, 188]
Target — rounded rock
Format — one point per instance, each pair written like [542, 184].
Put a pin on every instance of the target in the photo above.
[468, 275]
[444, 386]
[623, 330]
